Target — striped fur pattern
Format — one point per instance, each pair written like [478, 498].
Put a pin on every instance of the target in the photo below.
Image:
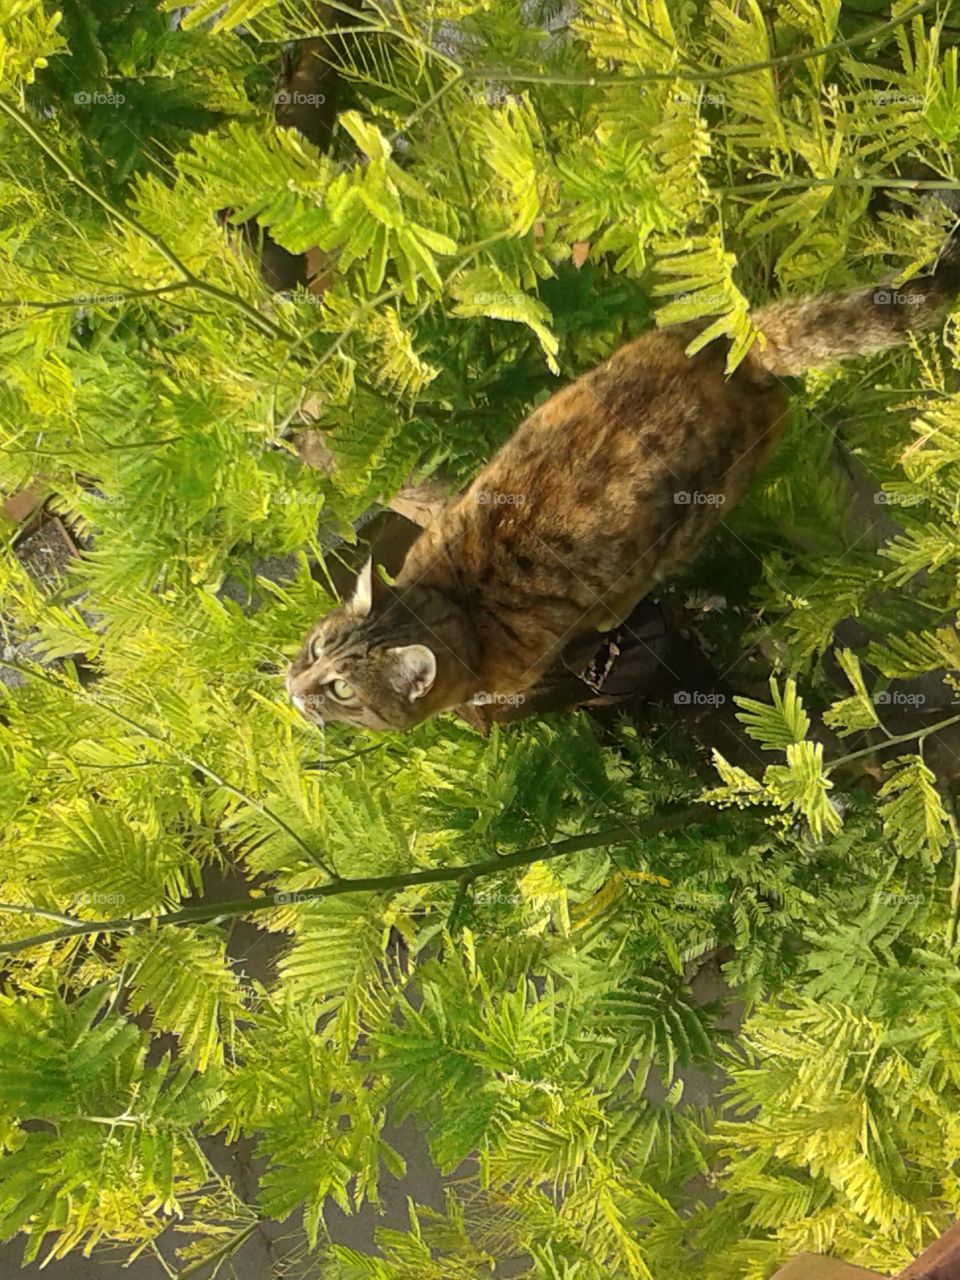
[610, 485]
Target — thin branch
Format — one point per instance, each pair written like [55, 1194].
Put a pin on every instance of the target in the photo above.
[462, 890]
[955, 886]
[694, 76]
[206, 911]
[164, 1264]
[389, 294]
[39, 674]
[156, 242]
[371, 29]
[329, 761]
[13, 908]
[133, 764]
[226, 1249]
[506, 74]
[804, 184]
[917, 735]
[422, 110]
[86, 300]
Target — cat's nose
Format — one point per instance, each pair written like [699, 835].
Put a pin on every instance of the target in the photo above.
[295, 698]
[304, 703]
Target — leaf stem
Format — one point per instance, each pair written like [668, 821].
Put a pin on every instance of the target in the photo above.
[917, 735]
[18, 909]
[83, 300]
[206, 911]
[506, 75]
[39, 674]
[226, 1249]
[805, 184]
[156, 242]
[463, 888]
[955, 887]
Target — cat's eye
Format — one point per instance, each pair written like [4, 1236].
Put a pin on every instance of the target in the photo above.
[316, 649]
[341, 690]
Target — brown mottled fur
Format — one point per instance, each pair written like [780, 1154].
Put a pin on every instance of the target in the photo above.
[577, 516]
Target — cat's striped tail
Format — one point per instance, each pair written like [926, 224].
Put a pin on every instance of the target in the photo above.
[805, 333]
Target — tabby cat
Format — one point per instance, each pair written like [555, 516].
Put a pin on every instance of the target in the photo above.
[604, 489]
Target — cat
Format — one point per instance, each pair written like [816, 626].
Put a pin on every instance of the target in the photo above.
[606, 488]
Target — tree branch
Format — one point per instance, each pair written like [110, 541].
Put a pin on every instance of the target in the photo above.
[805, 184]
[206, 911]
[86, 300]
[18, 909]
[156, 242]
[506, 75]
[955, 886]
[228, 1248]
[917, 735]
[39, 674]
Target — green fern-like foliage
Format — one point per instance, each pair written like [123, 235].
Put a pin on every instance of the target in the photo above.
[163, 810]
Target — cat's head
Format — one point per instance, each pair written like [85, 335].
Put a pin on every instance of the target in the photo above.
[384, 659]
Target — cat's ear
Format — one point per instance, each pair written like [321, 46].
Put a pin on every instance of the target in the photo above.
[365, 592]
[413, 671]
